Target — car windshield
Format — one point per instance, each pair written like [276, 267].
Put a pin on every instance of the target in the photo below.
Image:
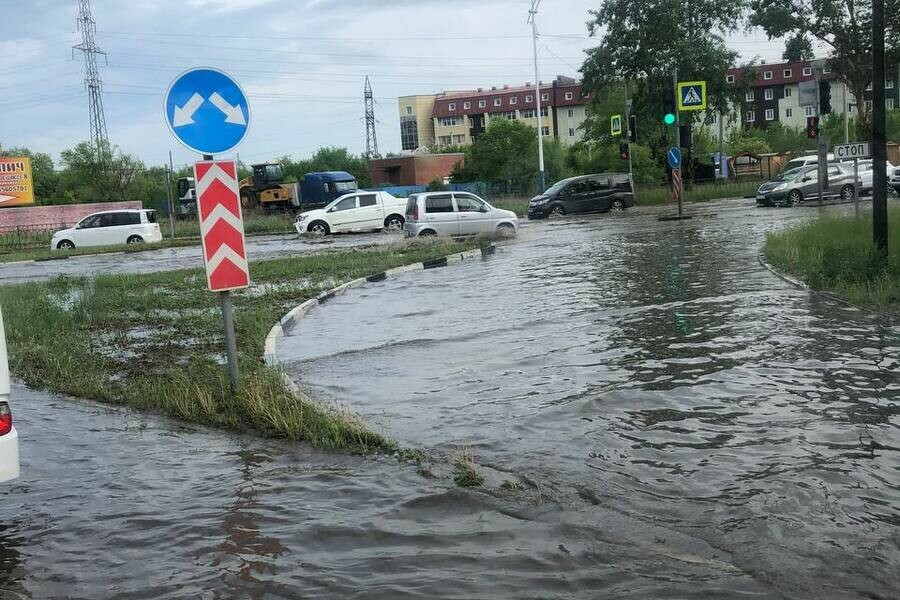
[786, 175]
[556, 186]
[794, 164]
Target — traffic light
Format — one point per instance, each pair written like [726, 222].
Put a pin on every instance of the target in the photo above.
[684, 135]
[669, 106]
[623, 151]
[632, 128]
[824, 97]
[812, 127]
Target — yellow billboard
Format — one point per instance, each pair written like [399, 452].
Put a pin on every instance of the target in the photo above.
[16, 185]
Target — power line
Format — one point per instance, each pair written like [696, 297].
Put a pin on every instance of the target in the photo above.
[92, 82]
[325, 38]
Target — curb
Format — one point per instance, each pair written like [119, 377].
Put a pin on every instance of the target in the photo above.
[828, 295]
[270, 348]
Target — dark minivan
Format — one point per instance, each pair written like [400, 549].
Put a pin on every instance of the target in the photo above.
[586, 193]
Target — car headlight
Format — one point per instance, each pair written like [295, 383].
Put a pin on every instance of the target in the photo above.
[300, 218]
[779, 187]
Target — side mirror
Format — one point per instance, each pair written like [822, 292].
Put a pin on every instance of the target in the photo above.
[484, 208]
[807, 179]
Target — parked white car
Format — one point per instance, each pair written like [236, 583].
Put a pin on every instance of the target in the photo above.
[359, 211]
[455, 213]
[109, 228]
[866, 174]
[9, 438]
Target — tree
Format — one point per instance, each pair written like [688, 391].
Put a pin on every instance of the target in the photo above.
[843, 26]
[327, 159]
[797, 48]
[504, 154]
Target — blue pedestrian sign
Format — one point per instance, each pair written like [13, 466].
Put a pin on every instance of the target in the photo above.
[691, 95]
[674, 157]
[207, 111]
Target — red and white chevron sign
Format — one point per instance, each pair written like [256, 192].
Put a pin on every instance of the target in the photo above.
[221, 225]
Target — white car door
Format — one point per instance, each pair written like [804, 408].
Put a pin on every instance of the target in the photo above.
[87, 232]
[474, 215]
[341, 215]
[370, 214]
[441, 215]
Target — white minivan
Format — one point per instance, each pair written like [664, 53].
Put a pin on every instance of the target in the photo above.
[455, 214]
[108, 228]
[9, 438]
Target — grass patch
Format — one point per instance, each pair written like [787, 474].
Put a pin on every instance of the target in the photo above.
[465, 474]
[154, 342]
[255, 223]
[517, 205]
[836, 254]
[47, 254]
[701, 192]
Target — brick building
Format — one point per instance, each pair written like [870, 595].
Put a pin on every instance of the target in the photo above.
[413, 169]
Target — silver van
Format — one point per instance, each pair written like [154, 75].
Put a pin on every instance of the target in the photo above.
[802, 183]
[455, 213]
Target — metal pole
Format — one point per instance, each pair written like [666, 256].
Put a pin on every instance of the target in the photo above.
[820, 158]
[537, 100]
[846, 114]
[856, 186]
[879, 148]
[169, 175]
[630, 164]
[678, 141]
[723, 163]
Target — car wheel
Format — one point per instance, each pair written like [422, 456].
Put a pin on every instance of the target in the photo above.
[506, 230]
[557, 210]
[248, 199]
[617, 205]
[795, 197]
[135, 239]
[393, 223]
[847, 192]
[319, 228]
[65, 245]
[427, 233]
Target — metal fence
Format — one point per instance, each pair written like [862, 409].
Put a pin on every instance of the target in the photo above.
[27, 237]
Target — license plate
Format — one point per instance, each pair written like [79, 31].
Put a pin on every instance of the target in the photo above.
[760, 197]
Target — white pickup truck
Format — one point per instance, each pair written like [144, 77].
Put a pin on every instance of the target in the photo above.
[9, 439]
[357, 211]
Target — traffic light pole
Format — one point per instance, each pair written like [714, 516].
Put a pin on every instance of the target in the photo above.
[630, 134]
[879, 149]
[678, 141]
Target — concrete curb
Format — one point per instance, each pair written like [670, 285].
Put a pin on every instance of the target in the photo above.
[270, 348]
[828, 295]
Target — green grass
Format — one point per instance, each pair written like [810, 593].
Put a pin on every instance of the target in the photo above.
[701, 192]
[465, 474]
[517, 205]
[255, 223]
[154, 342]
[47, 254]
[836, 254]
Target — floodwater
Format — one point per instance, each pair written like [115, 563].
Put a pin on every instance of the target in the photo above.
[169, 259]
[647, 373]
[679, 424]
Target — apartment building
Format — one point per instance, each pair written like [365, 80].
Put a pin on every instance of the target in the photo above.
[457, 118]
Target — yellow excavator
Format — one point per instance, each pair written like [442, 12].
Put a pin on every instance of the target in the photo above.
[265, 187]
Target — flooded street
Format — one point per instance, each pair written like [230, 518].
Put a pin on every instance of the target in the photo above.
[679, 423]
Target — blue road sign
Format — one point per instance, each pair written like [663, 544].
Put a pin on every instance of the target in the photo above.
[207, 111]
[674, 157]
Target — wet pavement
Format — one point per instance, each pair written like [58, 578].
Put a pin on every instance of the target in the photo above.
[169, 259]
[682, 424]
[650, 373]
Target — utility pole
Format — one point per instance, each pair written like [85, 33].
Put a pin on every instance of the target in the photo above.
[170, 174]
[678, 142]
[723, 162]
[92, 82]
[532, 18]
[630, 135]
[879, 148]
[846, 110]
[371, 138]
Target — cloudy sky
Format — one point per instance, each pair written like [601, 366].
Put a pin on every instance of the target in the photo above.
[302, 62]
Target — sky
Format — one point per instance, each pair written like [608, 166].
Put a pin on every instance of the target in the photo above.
[302, 63]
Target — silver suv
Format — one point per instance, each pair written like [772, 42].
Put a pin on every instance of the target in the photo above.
[802, 184]
[455, 213]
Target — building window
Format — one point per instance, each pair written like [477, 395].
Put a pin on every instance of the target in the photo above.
[514, 100]
[750, 96]
[544, 112]
[545, 130]
[450, 121]
[750, 116]
[788, 113]
[869, 87]
[571, 113]
[889, 103]
[511, 115]
[409, 110]
[788, 92]
[569, 95]
[869, 104]
[769, 93]
[528, 113]
[571, 132]
[409, 133]
[459, 139]
[545, 97]
[467, 105]
[451, 106]
[529, 98]
[729, 79]
[767, 75]
[889, 84]
[810, 111]
[497, 101]
[787, 73]
[482, 103]
[807, 70]
[770, 114]
[444, 140]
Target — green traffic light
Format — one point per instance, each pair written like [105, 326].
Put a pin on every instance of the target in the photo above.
[669, 119]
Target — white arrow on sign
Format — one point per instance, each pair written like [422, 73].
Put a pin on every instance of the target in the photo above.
[4, 198]
[184, 115]
[233, 114]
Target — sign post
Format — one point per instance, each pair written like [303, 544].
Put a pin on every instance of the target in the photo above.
[208, 112]
[822, 146]
[856, 152]
[674, 158]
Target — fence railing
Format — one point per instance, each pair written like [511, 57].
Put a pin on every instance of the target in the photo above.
[27, 237]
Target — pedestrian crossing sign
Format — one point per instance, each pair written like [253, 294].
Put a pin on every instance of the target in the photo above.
[691, 95]
[615, 125]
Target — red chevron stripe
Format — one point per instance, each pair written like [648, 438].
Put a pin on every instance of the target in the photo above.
[222, 233]
[202, 167]
[228, 276]
[218, 193]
